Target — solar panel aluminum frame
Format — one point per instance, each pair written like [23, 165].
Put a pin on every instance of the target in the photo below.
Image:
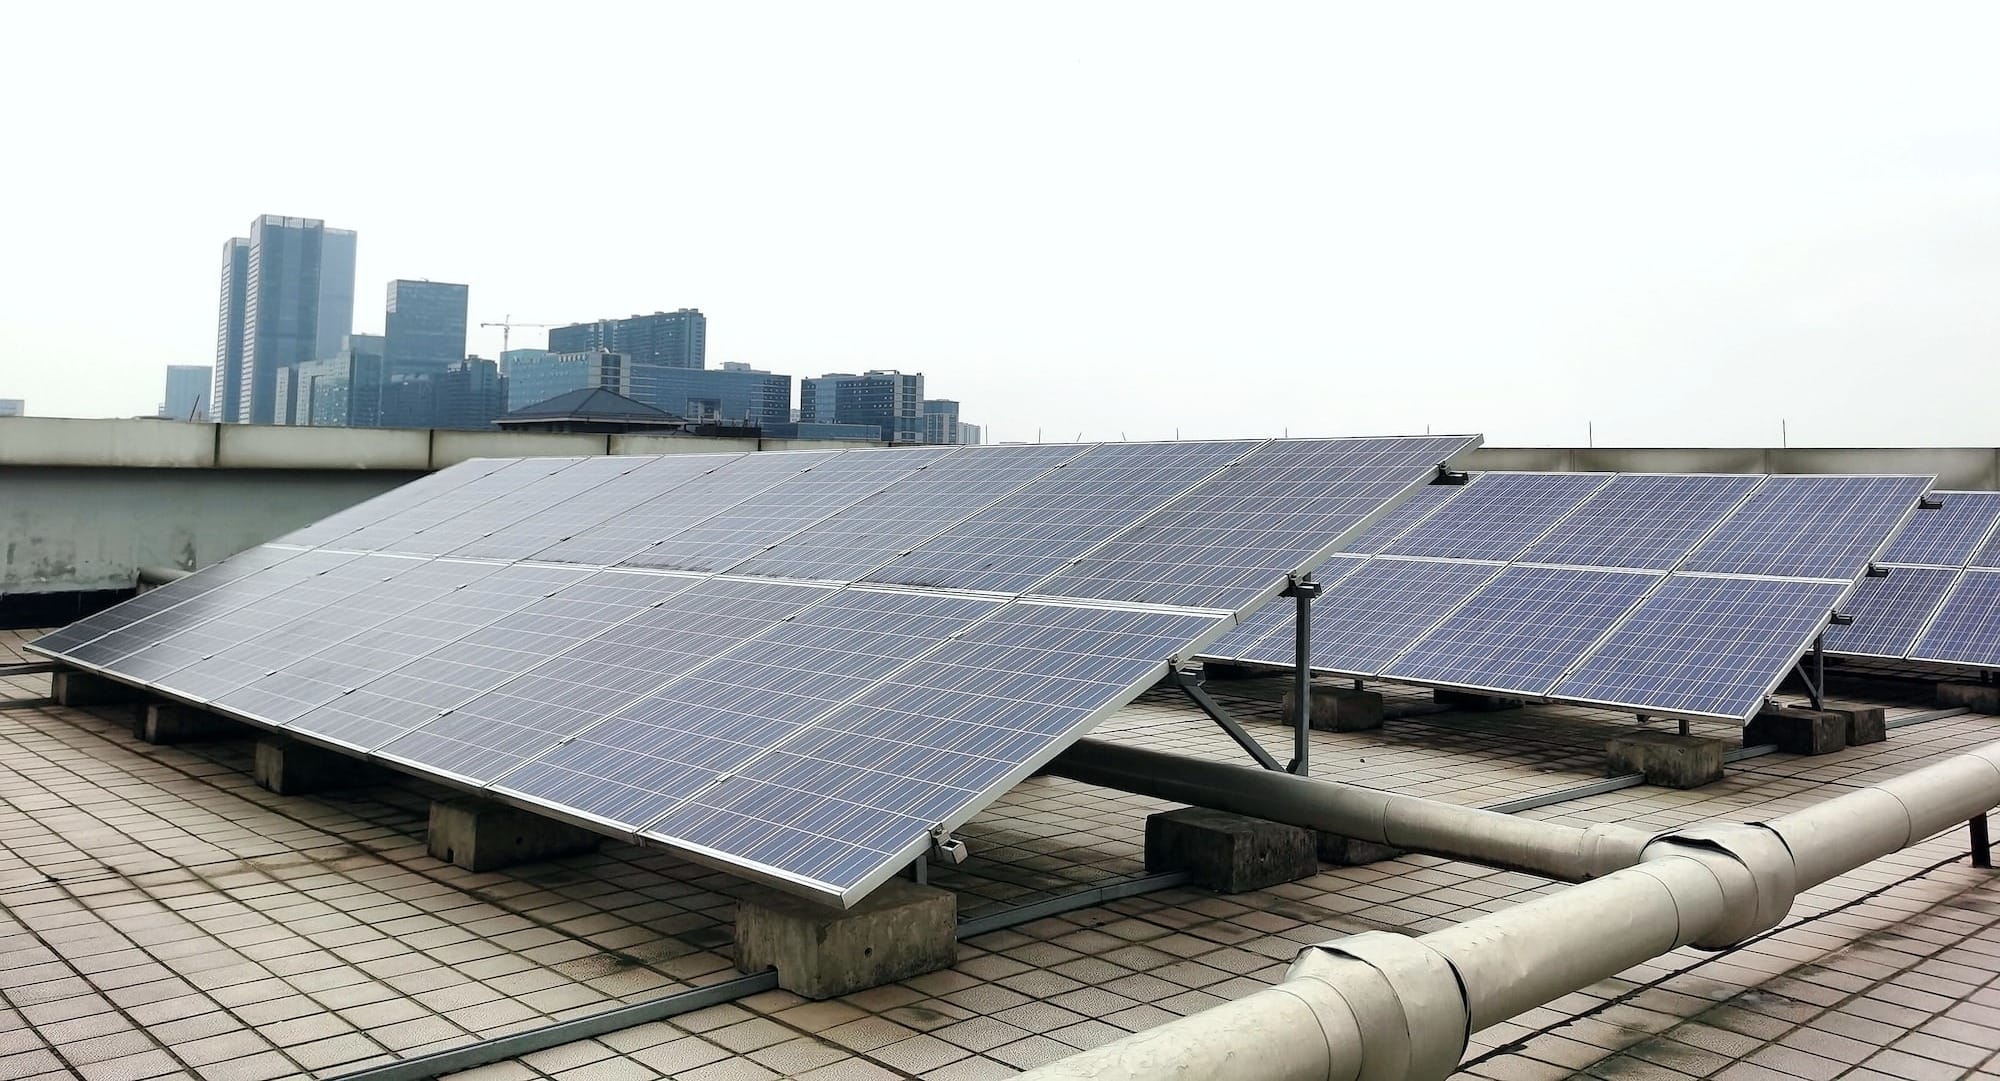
[1271, 592]
[1922, 628]
[1924, 631]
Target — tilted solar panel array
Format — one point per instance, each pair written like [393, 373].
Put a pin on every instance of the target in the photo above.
[792, 665]
[1687, 595]
[1940, 599]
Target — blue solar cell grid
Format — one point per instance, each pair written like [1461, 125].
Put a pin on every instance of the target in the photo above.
[1948, 536]
[1523, 629]
[844, 802]
[1278, 510]
[1499, 516]
[1421, 503]
[1889, 612]
[1643, 521]
[632, 531]
[1966, 629]
[569, 502]
[1705, 647]
[146, 605]
[425, 489]
[1809, 527]
[438, 508]
[1363, 621]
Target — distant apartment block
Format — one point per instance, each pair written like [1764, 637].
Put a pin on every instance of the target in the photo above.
[188, 387]
[676, 339]
[733, 394]
[536, 375]
[340, 391]
[287, 297]
[890, 401]
[940, 421]
[13, 407]
[424, 327]
[973, 434]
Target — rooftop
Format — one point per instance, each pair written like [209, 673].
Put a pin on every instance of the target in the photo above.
[161, 915]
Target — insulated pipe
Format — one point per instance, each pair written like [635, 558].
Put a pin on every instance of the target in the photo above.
[1383, 1007]
[1385, 818]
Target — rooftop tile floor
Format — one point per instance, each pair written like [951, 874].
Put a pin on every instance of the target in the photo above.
[161, 916]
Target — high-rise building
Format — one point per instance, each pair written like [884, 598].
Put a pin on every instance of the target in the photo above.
[676, 339]
[424, 326]
[470, 394]
[973, 434]
[188, 387]
[297, 289]
[536, 375]
[735, 394]
[888, 400]
[341, 391]
[13, 407]
[940, 420]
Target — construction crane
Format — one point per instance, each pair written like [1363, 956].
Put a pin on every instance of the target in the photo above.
[507, 325]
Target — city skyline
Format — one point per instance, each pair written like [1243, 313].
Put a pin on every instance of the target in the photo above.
[1710, 228]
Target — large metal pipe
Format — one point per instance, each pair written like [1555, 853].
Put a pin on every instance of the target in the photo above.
[1383, 1007]
[1548, 849]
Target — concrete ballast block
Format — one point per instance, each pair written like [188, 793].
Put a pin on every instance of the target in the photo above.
[74, 688]
[1865, 724]
[1348, 852]
[1797, 730]
[170, 722]
[1977, 697]
[480, 835]
[1229, 853]
[1666, 759]
[1340, 709]
[291, 768]
[1472, 702]
[900, 930]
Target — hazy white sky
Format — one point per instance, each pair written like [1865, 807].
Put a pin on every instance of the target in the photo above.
[1681, 222]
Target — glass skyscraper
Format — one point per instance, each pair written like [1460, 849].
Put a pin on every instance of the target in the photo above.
[424, 327]
[287, 297]
[187, 393]
[677, 339]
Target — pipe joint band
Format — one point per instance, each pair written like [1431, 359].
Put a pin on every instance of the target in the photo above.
[1406, 997]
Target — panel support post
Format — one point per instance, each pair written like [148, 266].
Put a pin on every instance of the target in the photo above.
[1819, 672]
[1302, 590]
[1982, 848]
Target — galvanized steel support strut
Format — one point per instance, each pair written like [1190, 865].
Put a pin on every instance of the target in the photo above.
[1302, 590]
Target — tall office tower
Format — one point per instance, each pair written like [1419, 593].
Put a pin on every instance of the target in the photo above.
[188, 388]
[296, 304]
[733, 394]
[341, 391]
[677, 339]
[469, 394]
[887, 400]
[424, 327]
[536, 375]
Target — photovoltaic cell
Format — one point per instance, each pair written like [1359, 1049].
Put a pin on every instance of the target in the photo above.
[641, 480]
[1889, 612]
[843, 802]
[680, 738]
[1967, 628]
[1025, 537]
[1223, 544]
[880, 528]
[1362, 621]
[1809, 526]
[1523, 629]
[1948, 536]
[1645, 521]
[625, 534]
[154, 601]
[530, 501]
[1400, 518]
[723, 540]
[516, 719]
[440, 507]
[1498, 516]
[424, 489]
[1705, 647]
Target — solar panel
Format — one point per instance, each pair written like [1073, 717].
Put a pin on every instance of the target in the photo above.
[666, 746]
[1014, 543]
[1361, 622]
[884, 526]
[681, 701]
[1643, 521]
[1948, 536]
[729, 537]
[424, 489]
[1278, 510]
[1498, 516]
[843, 804]
[1889, 612]
[675, 509]
[1809, 526]
[1966, 629]
[1523, 629]
[1401, 517]
[1705, 646]
[154, 601]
